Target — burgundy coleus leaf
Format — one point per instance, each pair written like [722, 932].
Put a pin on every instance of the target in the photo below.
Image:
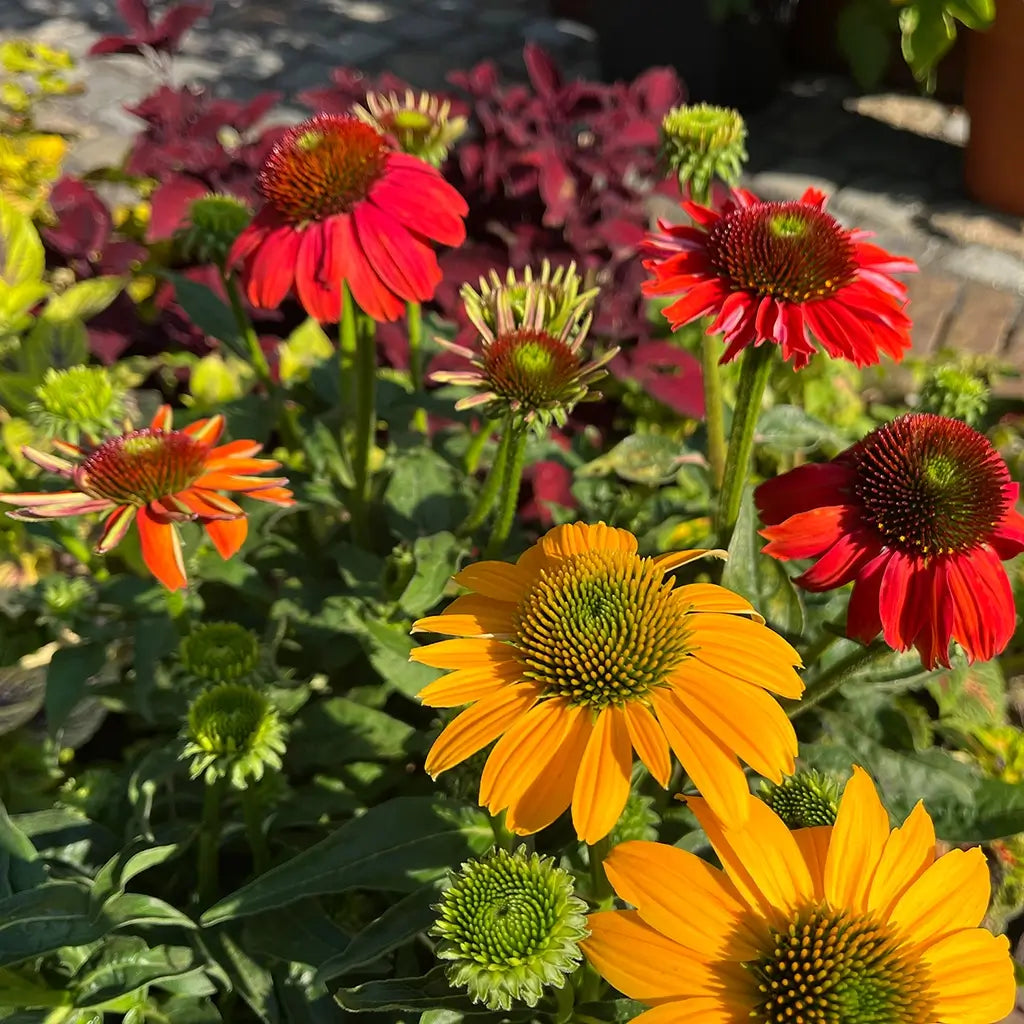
[666, 372]
[164, 36]
[542, 71]
[549, 484]
[169, 204]
[82, 221]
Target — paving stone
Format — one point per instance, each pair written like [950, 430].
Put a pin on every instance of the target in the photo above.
[982, 320]
[425, 27]
[782, 185]
[933, 297]
[989, 266]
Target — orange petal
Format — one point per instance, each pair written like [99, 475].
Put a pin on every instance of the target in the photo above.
[161, 550]
[240, 465]
[206, 431]
[907, 853]
[497, 580]
[228, 535]
[706, 597]
[642, 963]
[714, 770]
[718, 1009]
[576, 538]
[243, 448]
[163, 419]
[478, 725]
[971, 976]
[743, 717]
[114, 529]
[470, 615]
[674, 559]
[602, 782]
[472, 653]
[762, 859]
[524, 752]
[683, 897]
[469, 684]
[209, 504]
[648, 739]
[230, 482]
[813, 843]
[859, 834]
[949, 896]
[549, 794]
[275, 495]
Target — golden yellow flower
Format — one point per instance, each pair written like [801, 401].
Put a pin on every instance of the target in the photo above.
[581, 653]
[837, 924]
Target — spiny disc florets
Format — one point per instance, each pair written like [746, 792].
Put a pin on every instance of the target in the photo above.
[930, 485]
[81, 401]
[803, 800]
[793, 251]
[212, 224]
[420, 125]
[220, 652]
[142, 466]
[322, 167]
[600, 628]
[532, 369]
[510, 926]
[831, 967]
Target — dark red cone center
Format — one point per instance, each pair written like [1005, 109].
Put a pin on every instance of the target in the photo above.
[793, 251]
[930, 485]
[531, 367]
[322, 167]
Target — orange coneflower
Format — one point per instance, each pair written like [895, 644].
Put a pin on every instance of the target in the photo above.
[843, 924]
[582, 652]
[157, 476]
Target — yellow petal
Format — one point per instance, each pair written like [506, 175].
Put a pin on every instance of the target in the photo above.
[714, 770]
[642, 963]
[683, 897]
[761, 858]
[470, 615]
[858, 837]
[813, 843]
[706, 597]
[549, 794]
[575, 538]
[478, 725]
[907, 853]
[468, 653]
[497, 580]
[469, 684]
[719, 1009]
[525, 749]
[602, 782]
[743, 717]
[949, 896]
[674, 559]
[971, 978]
[648, 739]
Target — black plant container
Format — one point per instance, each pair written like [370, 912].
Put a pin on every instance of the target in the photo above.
[738, 61]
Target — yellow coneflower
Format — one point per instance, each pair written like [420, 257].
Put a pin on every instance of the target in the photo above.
[844, 924]
[581, 653]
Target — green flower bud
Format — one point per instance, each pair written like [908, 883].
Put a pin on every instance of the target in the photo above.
[419, 125]
[959, 391]
[213, 223]
[82, 401]
[701, 143]
[805, 799]
[639, 820]
[510, 927]
[221, 652]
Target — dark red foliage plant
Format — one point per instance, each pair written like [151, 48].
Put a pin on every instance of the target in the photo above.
[144, 34]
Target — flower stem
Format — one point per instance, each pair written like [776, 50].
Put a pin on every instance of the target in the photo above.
[754, 373]
[254, 832]
[476, 446]
[252, 341]
[490, 489]
[838, 675]
[714, 419]
[601, 891]
[565, 1000]
[511, 479]
[366, 419]
[414, 326]
[209, 842]
[504, 839]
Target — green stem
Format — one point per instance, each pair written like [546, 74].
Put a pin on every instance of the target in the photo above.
[504, 838]
[252, 341]
[511, 479]
[601, 891]
[475, 448]
[754, 373]
[838, 675]
[347, 349]
[209, 842]
[366, 422]
[254, 832]
[565, 1000]
[490, 489]
[414, 326]
[714, 407]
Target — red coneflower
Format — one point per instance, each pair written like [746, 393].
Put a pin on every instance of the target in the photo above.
[158, 476]
[787, 272]
[342, 207]
[919, 514]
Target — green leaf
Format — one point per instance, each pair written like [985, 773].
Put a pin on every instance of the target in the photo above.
[17, 391]
[389, 654]
[302, 933]
[138, 856]
[396, 926]
[303, 349]
[436, 558]
[431, 992]
[650, 459]
[396, 846]
[787, 428]
[41, 920]
[865, 38]
[125, 972]
[53, 344]
[84, 299]
[975, 14]
[22, 258]
[970, 695]
[425, 495]
[20, 865]
[208, 312]
[761, 580]
[927, 33]
[215, 381]
[67, 679]
[22, 692]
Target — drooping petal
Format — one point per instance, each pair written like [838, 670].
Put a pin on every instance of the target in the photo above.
[228, 535]
[114, 529]
[161, 550]
[648, 739]
[602, 782]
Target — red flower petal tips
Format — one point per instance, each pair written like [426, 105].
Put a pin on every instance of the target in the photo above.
[919, 515]
[158, 476]
[787, 273]
[342, 206]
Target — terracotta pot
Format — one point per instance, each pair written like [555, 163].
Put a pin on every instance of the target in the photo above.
[993, 88]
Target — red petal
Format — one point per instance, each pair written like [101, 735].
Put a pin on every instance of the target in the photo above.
[808, 534]
[114, 529]
[161, 550]
[405, 264]
[841, 563]
[321, 301]
[434, 211]
[863, 618]
[271, 271]
[984, 616]
[802, 489]
[370, 293]
[698, 301]
[163, 419]
[228, 535]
